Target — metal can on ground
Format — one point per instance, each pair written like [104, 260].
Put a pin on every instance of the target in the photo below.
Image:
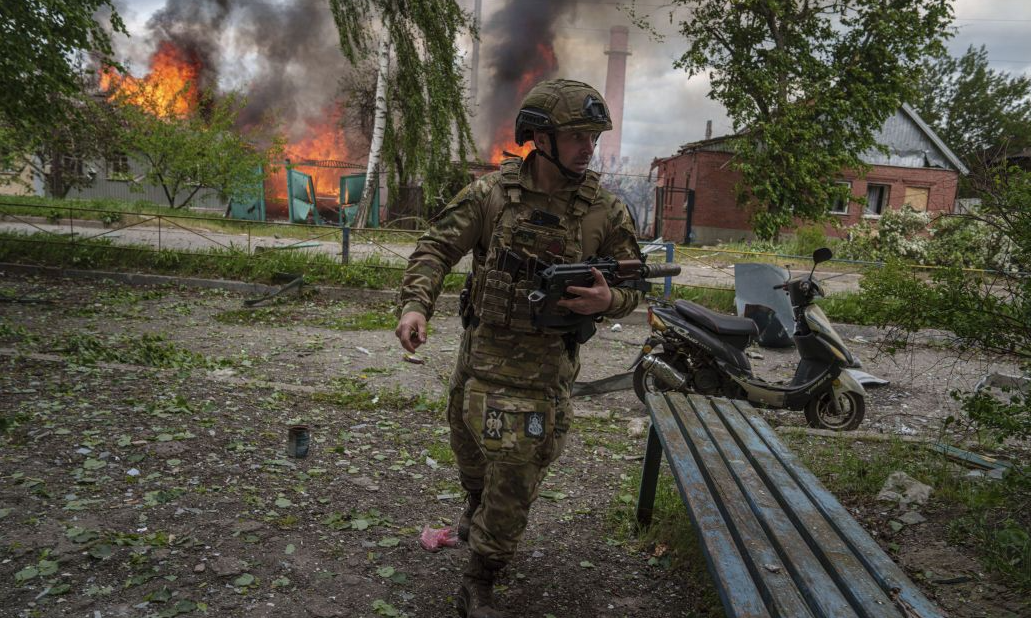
[298, 440]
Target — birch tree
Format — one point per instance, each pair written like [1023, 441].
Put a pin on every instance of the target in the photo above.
[423, 116]
[376, 143]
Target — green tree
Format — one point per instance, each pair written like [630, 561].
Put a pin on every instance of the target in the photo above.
[424, 124]
[807, 84]
[986, 313]
[42, 48]
[199, 151]
[979, 112]
[48, 49]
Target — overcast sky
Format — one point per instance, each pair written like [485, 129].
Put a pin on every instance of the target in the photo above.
[663, 108]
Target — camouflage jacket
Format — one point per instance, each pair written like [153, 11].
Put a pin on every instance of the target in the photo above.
[466, 224]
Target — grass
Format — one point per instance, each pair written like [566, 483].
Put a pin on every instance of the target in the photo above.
[670, 539]
[111, 212]
[993, 518]
[354, 393]
[151, 350]
[234, 264]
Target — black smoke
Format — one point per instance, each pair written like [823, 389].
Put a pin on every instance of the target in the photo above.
[515, 42]
[283, 56]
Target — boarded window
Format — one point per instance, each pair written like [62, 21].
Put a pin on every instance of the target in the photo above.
[916, 197]
[876, 199]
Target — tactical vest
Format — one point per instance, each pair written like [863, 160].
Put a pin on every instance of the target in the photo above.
[523, 240]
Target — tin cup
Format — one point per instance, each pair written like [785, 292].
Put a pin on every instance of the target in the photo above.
[298, 439]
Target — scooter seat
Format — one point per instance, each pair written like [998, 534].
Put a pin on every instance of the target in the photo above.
[716, 322]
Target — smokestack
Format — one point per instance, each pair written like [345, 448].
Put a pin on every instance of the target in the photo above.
[708, 129]
[615, 85]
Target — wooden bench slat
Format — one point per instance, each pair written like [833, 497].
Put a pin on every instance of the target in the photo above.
[882, 568]
[794, 506]
[734, 583]
[757, 515]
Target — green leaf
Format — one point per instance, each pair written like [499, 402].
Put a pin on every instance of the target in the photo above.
[385, 571]
[94, 464]
[360, 524]
[47, 567]
[383, 608]
[283, 503]
[164, 437]
[244, 580]
[26, 574]
[587, 564]
[161, 595]
[290, 549]
[390, 541]
[5, 512]
[101, 552]
[280, 582]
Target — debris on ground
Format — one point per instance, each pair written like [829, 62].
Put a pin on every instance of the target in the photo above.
[905, 490]
[432, 539]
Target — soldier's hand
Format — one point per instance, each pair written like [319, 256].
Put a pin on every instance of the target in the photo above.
[589, 301]
[411, 330]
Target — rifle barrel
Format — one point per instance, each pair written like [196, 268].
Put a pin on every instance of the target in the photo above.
[657, 271]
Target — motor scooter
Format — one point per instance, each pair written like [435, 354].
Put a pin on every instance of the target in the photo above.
[695, 350]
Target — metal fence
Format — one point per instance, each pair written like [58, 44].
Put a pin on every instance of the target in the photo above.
[373, 247]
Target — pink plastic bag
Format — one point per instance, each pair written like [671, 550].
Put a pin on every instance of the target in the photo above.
[432, 539]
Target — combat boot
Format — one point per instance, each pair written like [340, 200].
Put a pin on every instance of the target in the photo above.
[476, 596]
[472, 503]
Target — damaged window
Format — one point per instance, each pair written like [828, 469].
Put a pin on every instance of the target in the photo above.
[118, 167]
[840, 204]
[876, 199]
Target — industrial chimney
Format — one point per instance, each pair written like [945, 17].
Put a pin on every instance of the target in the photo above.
[615, 84]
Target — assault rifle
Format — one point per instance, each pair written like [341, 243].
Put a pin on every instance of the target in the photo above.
[553, 281]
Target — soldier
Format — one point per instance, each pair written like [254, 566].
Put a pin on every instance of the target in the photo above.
[508, 401]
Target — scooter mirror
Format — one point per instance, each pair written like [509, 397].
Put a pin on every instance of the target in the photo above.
[822, 255]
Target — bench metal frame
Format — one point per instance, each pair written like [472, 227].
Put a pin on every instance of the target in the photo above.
[776, 542]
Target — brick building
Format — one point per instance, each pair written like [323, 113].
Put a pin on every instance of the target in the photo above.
[695, 195]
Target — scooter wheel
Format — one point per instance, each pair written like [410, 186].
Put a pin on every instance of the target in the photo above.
[819, 412]
[645, 383]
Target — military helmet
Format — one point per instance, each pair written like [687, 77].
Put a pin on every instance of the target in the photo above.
[561, 105]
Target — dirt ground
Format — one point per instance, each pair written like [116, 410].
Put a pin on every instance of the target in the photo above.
[127, 490]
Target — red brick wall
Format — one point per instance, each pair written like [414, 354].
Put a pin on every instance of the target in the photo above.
[717, 215]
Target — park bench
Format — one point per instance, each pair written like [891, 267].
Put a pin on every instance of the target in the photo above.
[776, 542]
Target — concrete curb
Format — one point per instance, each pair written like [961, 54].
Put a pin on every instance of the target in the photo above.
[446, 303]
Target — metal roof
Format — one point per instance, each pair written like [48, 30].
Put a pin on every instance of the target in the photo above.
[910, 142]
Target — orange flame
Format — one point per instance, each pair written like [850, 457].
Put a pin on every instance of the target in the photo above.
[170, 89]
[503, 138]
[323, 141]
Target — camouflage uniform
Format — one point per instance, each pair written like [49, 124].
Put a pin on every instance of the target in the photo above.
[508, 404]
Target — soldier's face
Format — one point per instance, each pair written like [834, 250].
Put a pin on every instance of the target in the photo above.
[575, 148]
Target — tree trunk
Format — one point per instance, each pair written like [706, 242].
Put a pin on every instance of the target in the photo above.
[371, 175]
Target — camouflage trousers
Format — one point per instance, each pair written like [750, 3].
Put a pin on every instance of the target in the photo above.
[509, 413]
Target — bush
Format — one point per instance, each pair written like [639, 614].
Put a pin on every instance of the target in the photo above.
[899, 234]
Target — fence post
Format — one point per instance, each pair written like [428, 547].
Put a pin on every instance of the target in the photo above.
[159, 233]
[670, 256]
[345, 243]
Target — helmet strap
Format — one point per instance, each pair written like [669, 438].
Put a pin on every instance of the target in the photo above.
[568, 173]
